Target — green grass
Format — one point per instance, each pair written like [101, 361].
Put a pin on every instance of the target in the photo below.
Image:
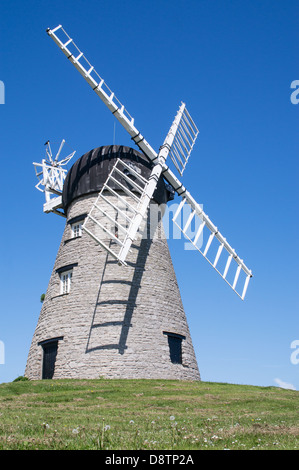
[146, 414]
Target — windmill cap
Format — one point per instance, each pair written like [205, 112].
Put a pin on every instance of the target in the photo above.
[89, 173]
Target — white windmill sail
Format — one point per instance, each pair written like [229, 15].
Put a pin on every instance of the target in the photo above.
[97, 83]
[215, 249]
[178, 144]
[183, 142]
[112, 217]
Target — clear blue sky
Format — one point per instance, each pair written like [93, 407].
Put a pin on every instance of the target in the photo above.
[232, 62]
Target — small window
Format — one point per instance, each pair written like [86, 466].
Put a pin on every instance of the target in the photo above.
[76, 225]
[65, 281]
[77, 230]
[175, 347]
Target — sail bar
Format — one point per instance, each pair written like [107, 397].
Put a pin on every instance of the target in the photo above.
[218, 255]
[245, 286]
[229, 260]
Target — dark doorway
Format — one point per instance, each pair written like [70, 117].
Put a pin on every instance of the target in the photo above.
[175, 347]
[49, 359]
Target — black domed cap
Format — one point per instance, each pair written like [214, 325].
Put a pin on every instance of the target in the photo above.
[89, 173]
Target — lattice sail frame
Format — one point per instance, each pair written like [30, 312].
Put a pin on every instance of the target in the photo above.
[179, 154]
[183, 142]
[112, 215]
[214, 248]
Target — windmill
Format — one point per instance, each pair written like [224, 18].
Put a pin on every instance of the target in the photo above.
[109, 196]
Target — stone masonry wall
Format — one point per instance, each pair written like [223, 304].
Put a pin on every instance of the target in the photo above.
[114, 318]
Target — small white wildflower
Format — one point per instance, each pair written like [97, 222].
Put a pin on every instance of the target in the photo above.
[132, 422]
[75, 431]
[172, 418]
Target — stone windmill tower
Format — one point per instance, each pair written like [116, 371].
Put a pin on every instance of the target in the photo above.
[102, 319]
[113, 306]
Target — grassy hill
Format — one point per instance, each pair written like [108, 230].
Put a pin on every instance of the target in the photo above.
[146, 414]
